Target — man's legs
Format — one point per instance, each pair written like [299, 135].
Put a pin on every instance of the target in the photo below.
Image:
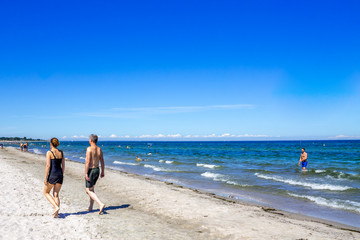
[94, 197]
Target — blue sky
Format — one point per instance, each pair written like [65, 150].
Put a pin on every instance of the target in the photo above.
[180, 70]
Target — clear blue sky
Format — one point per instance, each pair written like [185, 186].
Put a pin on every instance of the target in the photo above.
[188, 70]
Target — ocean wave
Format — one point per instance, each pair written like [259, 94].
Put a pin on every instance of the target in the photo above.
[82, 158]
[305, 184]
[207, 165]
[37, 151]
[158, 169]
[337, 175]
[125, 163]
[222, 178]
[335, 203]
[170, 162]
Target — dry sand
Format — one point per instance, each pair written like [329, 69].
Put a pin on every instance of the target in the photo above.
[137, 208]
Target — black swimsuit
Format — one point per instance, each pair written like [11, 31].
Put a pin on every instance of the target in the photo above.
[55, 173]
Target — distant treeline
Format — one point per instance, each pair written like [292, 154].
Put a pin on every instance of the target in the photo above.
[19, 139]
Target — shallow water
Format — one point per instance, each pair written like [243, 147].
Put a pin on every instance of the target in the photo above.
[260, 172]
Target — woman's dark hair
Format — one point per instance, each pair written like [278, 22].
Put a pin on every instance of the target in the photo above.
[55, 142]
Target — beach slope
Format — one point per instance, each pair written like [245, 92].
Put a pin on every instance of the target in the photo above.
[137, 208]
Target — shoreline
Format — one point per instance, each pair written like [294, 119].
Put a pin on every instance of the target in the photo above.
[248, 198]
[279, 209]
[161, 206]
[270, 209]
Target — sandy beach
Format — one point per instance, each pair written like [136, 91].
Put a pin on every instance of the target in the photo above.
[138, 208]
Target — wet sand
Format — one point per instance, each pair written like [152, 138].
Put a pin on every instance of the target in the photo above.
[138, 208]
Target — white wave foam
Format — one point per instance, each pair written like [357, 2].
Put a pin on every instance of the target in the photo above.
[305, 184]
[221, 178]
[158, 169]
[215, 176]
[82, 158]
[320, 171]
[37, 151]
[125, 163]
[206, 165]
[167, 161]
[335, 203]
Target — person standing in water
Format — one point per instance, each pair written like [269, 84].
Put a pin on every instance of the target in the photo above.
[303, 159]
[94, 155]
[54, 175]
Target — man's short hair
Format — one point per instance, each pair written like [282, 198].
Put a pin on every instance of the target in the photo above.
[93, 138]
[303, 148]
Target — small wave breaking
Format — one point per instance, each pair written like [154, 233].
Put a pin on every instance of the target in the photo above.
[212, 166]
[222, 178]
[126, 163]
[335, 203]
[37, 151]
[316, 186]
[157, 169]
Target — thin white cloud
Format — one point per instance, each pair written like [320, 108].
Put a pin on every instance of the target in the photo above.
[177, 109]
[76, 136]
[160, 136]
[179, 136]
[141, 111]
[344, 137]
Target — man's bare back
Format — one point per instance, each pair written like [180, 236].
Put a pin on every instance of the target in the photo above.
[93, 156]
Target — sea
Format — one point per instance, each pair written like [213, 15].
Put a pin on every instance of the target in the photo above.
[265, 173]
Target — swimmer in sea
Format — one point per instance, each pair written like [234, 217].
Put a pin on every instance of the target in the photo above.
[303, 159]
[138, 159]
[94, 155]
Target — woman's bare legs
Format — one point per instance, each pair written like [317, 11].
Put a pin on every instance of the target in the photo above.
[46, 191]
[56, 191]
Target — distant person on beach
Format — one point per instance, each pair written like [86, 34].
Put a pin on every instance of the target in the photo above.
[54, 174]
[2, 146]
[26, 146]
[303, 159]
[21, 147]
[94, 155]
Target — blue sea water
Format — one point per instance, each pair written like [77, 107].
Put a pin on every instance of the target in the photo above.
[265, 172]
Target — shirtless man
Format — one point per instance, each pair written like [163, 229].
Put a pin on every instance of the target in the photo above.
[303, 159]
[92, 171]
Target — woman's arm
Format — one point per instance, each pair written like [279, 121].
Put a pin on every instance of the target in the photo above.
[63, 162]
[47, 167]
[102, 164]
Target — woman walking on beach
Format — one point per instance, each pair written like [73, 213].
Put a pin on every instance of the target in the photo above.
[54, 174]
